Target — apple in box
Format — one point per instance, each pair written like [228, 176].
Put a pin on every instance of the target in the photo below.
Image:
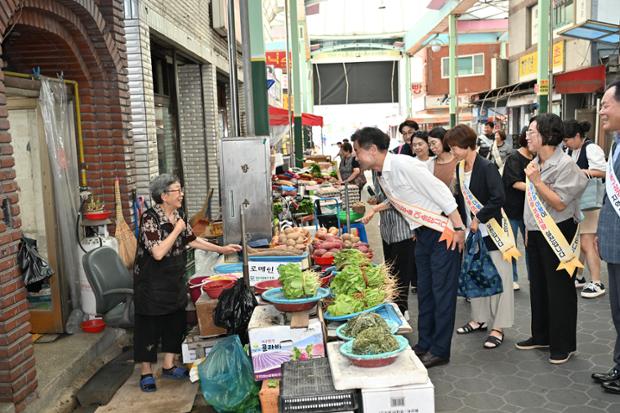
[274, 345]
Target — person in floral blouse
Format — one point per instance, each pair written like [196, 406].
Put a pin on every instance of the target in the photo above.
[160, 295]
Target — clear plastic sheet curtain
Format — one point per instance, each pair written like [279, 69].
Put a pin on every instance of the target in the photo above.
[58, 120]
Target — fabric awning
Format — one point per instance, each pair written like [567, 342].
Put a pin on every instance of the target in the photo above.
[442, 117]
[308, 119]
[588, 80]
[279, 116]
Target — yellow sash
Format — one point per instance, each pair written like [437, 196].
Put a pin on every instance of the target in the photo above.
[567, 254]
[421, 216]
[501, 235]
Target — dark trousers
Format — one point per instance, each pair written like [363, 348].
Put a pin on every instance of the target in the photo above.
[401, 257]
[149, 330]
[438, 279]
[614, 302]
[553, 297]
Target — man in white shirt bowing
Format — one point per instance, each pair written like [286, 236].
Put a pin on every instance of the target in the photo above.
[608, 232]
[430, 208]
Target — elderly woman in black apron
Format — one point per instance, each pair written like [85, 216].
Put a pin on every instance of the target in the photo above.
[160, 295]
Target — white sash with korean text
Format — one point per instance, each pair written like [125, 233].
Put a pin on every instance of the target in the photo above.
[612, 186]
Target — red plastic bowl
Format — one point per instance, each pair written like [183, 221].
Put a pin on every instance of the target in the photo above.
[294, 308]
[93, 326]
[326, 280]
[375, 362]
[97, 216]
[214, 288]
[262, 286]
[194, 287]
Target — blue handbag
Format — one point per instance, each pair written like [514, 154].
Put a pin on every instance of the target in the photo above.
[478, 277]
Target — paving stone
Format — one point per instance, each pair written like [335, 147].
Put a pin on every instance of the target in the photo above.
[484, 401]
[551, 381]
[508, 382]
[568, 397]
[524, 399]
[447, 403]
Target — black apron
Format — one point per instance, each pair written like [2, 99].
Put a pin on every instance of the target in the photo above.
[159, 288]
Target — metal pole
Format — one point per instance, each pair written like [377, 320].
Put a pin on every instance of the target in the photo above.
[408, 83]
[232, 64]
[452, 63]
[296, 60]
[289, 82]
[247, 69]
[346, 206]
[544, 20]
[244, 245]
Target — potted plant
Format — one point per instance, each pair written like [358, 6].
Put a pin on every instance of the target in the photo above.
[95, 209]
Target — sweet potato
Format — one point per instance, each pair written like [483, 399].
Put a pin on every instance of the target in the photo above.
[328, 254]
[330, 245]
[319, 252]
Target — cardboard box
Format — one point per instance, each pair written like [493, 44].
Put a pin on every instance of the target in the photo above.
[416, 398]
[273, 341]
[205, 308]
[195, 347]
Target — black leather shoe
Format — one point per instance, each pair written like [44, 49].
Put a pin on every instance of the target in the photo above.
[611, 386]
[419, 352]
[611, 375]
[431, 361]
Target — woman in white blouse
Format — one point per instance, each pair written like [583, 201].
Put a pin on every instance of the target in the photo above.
[591, 159]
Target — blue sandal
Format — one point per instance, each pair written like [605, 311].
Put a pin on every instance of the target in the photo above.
[176, 373]
[147, 384]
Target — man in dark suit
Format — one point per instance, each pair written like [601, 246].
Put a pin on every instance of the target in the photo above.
[609, 229]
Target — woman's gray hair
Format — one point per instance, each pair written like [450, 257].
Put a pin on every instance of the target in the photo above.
[160, 184]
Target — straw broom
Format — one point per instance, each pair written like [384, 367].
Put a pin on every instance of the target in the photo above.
[127, 243]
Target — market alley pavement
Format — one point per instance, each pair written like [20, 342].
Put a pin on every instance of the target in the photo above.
[509, 380]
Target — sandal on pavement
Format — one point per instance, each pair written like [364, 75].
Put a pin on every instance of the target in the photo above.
[177, 373]
[468, 328]
[147, 384]
[494, 342]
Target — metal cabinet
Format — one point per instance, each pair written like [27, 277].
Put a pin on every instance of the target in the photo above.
[245, 172]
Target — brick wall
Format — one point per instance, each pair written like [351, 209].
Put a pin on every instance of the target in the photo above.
[191, 122]
[142, 102]
[436, 85]
[85, 40]
[209, 81]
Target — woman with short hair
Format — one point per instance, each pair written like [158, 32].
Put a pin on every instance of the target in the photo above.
[349, 171]
[480, 196]
[553, 188]
[499, 150]
[160, 295]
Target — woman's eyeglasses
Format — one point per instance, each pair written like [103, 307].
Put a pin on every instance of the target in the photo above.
[180, 190]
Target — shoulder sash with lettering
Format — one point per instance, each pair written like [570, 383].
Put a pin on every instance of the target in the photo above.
[501, 235]
[567, 254]
[420, 216]
[612, 186]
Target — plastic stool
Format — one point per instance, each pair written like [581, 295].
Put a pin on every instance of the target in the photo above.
[361, 230]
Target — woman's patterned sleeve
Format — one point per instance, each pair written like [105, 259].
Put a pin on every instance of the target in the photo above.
[150, 232]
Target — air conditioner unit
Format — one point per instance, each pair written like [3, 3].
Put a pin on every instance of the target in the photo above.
[499, 72]
[219, 10]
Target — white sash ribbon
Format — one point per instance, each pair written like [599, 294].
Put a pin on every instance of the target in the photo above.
[612, 186]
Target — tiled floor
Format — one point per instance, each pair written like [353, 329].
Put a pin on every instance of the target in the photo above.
[510, 380]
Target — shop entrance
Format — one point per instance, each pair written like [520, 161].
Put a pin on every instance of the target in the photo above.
[38, 220]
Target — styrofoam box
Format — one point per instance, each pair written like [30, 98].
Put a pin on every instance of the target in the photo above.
[416, 398]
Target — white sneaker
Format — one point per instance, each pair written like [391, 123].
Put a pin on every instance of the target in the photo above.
[580, 282]
[406, 315]
[593, 290]
[515, 286]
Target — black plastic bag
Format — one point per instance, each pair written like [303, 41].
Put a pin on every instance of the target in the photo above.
[34, 267]
[234, 309]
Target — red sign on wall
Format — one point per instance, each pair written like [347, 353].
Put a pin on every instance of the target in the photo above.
[276, 59]
[416, 88]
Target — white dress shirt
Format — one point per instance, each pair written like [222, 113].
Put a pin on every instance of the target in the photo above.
[412, 182]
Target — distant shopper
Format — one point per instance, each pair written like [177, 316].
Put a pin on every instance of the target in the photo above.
[485, 140]
[609, 228]
[591, 159]
[349, 171]
[445, 163]
[406, 129]
[514, 186]
[499, 150]
[160, 295]
[553, 188]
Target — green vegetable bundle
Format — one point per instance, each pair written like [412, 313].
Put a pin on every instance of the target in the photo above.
[363, 321]
[297, 283]
[350, 256]
[374, 340]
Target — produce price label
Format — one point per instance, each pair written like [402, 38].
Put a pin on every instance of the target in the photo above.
[263, 271]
